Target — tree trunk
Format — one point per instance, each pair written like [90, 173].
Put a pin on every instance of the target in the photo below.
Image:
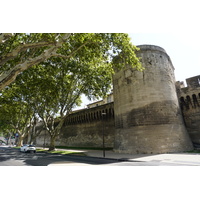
[55, 134]
[52, 143]
[20, 141]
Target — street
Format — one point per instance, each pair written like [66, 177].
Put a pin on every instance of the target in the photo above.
[10, 156]
[13, 157]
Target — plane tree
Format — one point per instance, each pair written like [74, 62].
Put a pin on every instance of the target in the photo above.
[15, 113]
[62, 68]
[56, 89]
[5, 127]
[20, 51]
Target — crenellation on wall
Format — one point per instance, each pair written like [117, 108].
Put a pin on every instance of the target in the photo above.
[91, 114]
[85, 128]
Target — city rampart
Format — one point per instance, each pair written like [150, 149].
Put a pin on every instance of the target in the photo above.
[86, 128]
[189, 98]
[147, 114]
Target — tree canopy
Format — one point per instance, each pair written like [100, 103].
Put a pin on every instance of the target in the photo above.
[44, 75]
[21, 51]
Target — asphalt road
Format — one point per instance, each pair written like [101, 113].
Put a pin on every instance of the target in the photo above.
[13, 157]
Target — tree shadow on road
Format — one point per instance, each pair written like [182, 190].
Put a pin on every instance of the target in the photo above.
[45, 158]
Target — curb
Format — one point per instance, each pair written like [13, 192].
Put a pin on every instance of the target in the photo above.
[95, 157]
[104, 158]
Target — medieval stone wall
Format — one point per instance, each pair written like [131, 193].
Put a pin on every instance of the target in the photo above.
[189, 98]
[85, 128]
[147, 113]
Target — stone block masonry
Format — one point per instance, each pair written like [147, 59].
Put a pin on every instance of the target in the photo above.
[147, 114]
[85, 128]
[189, 98]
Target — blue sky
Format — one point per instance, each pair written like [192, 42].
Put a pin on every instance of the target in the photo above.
[184, 50]
[170, 24]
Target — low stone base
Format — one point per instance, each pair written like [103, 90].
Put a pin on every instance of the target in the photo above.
[152, 139]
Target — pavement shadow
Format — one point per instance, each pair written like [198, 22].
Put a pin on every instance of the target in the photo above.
[45, 159]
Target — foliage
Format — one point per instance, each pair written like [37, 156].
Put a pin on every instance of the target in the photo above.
[15, 113]
[57, 70]
[20, 51]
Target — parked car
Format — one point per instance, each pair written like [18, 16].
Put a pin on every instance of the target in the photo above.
[28, 148]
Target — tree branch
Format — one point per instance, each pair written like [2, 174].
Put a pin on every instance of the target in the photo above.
[9, 76]
[23, 47]
[4, 36]
[72, 53]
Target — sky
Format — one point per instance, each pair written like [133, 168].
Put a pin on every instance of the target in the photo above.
[170, 24]
[184, 50]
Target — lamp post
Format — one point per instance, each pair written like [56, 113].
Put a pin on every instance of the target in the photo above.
[103, 114]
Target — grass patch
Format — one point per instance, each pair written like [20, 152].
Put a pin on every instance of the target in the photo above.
[86, 148]
[16, 147]
[194, 151]
[41, 150]
[61, 152]
[68, 152]
[58, 151]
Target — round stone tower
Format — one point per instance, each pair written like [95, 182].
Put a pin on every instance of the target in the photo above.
[147, 113]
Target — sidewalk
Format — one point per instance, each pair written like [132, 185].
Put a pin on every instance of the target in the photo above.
[169, 158]
[179, 158]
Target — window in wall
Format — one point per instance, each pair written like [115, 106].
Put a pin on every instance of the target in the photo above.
[188, 101]
[195, 101]
[97, 114]
[199, 81]
[182, 103]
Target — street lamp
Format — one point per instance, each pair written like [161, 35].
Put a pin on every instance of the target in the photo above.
[103, 114]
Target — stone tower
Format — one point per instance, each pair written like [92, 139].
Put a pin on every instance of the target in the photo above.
[147, 113]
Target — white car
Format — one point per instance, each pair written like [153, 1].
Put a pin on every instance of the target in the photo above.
[28, 148]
